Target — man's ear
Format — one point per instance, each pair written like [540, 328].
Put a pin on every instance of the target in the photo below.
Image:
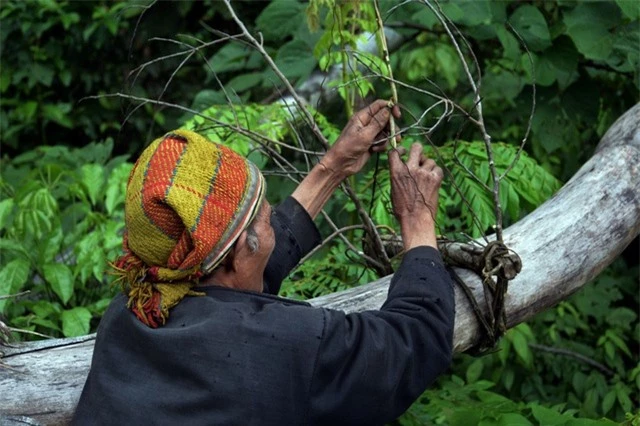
[237, 253]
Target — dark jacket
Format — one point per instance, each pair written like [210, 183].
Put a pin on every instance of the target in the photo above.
[243, 358]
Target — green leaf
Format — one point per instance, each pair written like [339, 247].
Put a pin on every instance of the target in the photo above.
[425, 18]
[280, 19]
[41, 74]
[513, 419]
[588, 26]
[547, 417]
[529, 22]
[474, 371]
[448, 64]
[616, 340]
[46, 323]
[75, 321]
[58, 113]
[544, 72]
[60, 278]
[295, 60]
[207, 98]
[116, 187]
[5, 78]
[93, 181]
[6, 206]
[89, 255]
[12, 277]
[630, 8]
[231, 57]
[623, 398]
[608, 401]
[549, 127]
[6, 244]
[27, 110]
[245, 81]
[509, 42]
[521, 345]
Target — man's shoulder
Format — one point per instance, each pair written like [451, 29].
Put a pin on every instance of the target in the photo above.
[221, 309]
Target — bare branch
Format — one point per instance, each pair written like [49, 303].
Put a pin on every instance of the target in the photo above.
[480, 119]
[566, 352]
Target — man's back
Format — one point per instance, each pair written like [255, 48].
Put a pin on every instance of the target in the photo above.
[253, 352]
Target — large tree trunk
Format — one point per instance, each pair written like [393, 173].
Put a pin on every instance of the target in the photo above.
[563, 244]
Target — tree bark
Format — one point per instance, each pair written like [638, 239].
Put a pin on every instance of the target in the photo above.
[563, 244]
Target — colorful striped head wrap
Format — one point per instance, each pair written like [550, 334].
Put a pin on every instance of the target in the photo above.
[188, 200]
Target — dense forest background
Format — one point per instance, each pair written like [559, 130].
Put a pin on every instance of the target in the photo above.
[86, 85]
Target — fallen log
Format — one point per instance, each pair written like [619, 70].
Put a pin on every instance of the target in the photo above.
[563, 244]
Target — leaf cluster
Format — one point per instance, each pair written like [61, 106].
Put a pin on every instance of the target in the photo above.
[61, 221]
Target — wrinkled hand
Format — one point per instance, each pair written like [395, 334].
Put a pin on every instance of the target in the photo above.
[414, 195]
[362, 135]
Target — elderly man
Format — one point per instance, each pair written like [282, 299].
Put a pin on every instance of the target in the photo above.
[199, 337]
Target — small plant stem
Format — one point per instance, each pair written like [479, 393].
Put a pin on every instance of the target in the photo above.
[385, 57]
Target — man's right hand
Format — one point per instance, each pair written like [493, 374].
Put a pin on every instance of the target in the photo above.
[414, 195]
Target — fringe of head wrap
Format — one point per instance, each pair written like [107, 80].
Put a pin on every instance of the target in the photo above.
[150, 302]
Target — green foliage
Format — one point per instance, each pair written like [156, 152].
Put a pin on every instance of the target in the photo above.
[244, 128]
[457, 402]
[581, 52]
[345, 25]
[526, 186]
[61, 208]
[42, 58]
[595, 325]
[61, 220]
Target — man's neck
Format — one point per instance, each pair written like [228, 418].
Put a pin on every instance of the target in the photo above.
[222, 277]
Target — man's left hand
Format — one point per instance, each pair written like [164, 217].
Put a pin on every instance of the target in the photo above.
[362, 135]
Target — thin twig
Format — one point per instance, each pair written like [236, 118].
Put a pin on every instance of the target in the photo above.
[35, 333]
[566, 352]
[533, 103]
[328, 239]
[10, 296]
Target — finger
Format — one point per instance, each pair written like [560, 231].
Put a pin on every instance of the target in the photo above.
[428, 163]
[366, 114]
[414, 155]
[380, 146]
[378, 123]
[395, 163]
[396, 111]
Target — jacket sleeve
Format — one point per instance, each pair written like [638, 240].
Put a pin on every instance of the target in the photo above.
[296, 235]
[371, 366]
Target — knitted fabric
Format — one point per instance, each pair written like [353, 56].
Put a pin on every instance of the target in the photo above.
[188, 200]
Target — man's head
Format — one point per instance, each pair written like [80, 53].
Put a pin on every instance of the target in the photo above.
[188, 203]
[244, 266]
